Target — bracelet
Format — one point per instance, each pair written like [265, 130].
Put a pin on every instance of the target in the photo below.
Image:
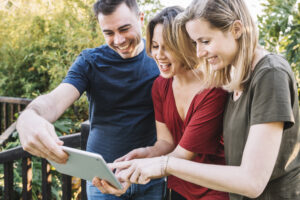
[164, 164]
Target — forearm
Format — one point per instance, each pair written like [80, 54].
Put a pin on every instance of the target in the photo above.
[43, 106]
[249, 179]
[161, 147]
[51, 106]
[233, 179]
[37, 135]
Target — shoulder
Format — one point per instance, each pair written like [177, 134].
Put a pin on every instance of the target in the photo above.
[275, 61]
[101, 54]
[271, 64]
[161, 86]
[214, 97]
[212, 93]
[92, 51]
[162, 83]
[217, 91]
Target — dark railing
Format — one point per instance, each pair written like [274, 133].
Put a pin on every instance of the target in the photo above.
[8, 157]
[9, 106]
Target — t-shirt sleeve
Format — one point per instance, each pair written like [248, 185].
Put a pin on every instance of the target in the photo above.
[203, 133]
[157, 100]
[272, 93]
[78, 74]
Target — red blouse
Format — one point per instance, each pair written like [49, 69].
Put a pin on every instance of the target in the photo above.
[199, 132]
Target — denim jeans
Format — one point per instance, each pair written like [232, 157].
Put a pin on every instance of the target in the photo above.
[154, 190]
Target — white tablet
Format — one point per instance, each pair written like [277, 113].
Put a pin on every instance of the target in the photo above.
[86, 165]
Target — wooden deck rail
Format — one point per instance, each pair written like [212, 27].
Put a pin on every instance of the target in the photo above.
[8, 107]
[8, 157]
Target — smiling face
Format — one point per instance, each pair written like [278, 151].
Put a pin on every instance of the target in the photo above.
[167, 64]
[218, 48]
[122, 31]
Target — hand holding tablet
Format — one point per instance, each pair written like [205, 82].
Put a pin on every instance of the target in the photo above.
[86, 165]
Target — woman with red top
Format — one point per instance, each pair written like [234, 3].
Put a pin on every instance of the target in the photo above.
[188, 116]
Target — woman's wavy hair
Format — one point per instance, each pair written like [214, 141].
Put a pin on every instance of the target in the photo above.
[221, 14]
[166, 17]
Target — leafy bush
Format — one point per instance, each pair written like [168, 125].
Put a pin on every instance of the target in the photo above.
[39, 41]
[279, 29]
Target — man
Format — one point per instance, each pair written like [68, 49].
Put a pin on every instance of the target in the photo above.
[118, 78]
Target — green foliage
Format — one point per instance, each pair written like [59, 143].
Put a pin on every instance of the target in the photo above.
[279, 29]
[149, 8]
[39, 41]
[38, 46]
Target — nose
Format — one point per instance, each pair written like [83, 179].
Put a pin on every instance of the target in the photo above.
[201, 52]
[160, 54]
[119, 39]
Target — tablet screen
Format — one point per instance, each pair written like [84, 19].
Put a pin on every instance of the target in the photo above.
[86, 165]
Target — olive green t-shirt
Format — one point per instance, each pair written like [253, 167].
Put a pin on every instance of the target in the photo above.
[270, 96]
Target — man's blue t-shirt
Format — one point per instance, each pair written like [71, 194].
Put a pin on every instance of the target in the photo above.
[120, 104]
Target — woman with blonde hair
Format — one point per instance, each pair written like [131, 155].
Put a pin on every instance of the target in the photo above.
[261, 119]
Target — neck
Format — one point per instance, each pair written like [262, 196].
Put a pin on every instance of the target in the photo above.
[186, 77]
[259, 53]
[139, 48]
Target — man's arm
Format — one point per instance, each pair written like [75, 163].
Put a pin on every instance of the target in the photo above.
[37, 134]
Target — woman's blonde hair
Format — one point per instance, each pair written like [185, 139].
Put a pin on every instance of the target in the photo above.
[221, 14]
[166, 17]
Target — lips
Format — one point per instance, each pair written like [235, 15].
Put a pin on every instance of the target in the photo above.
[164, 67]
[123, 48]
[212, 60]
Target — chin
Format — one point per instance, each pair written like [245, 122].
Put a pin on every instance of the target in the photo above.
[127, 54]
[217, 67]
[164, 75]
[124, 56]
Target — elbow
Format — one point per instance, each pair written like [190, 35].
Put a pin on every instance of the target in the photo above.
[254, 192]
[255, 187]
[253, 180]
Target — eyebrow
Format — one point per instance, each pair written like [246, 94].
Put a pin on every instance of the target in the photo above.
[125, 26]
[121, 27]
[203, 38]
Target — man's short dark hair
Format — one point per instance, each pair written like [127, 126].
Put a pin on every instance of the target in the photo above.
[107, 7]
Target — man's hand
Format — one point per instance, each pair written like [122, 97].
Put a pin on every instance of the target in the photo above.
[106, 188]
[39, 138]
[136, 153]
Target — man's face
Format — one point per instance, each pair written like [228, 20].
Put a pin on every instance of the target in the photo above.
[122, 31]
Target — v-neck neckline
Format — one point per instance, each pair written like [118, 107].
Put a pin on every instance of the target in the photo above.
[176, 109]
